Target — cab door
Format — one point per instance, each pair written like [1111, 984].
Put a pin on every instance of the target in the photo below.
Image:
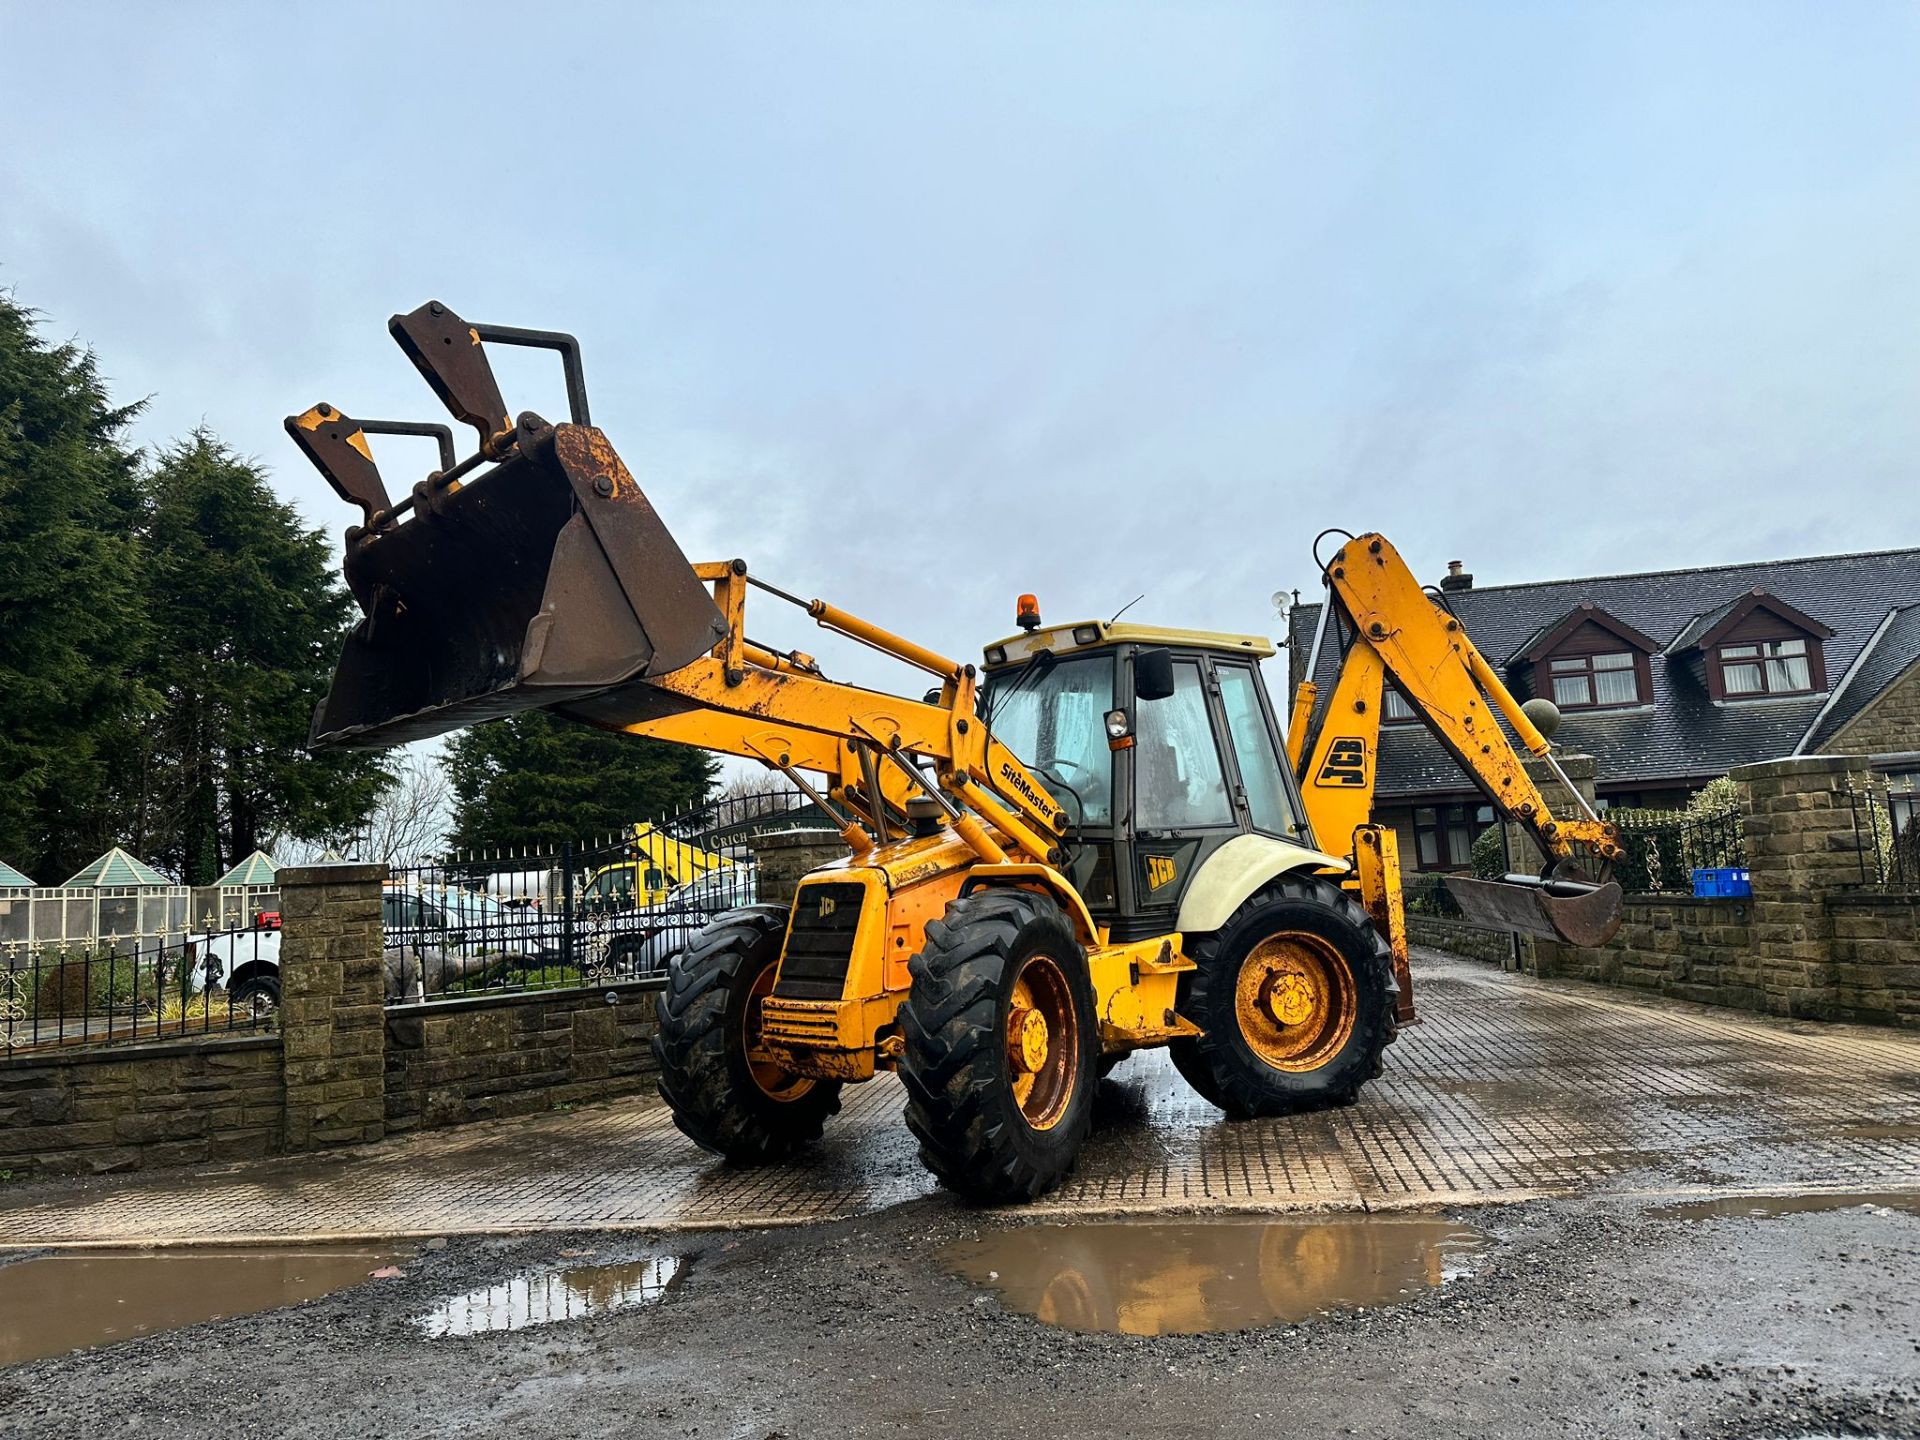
[1185, 804]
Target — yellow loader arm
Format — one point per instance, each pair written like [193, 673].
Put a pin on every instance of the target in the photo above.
[1391, 628]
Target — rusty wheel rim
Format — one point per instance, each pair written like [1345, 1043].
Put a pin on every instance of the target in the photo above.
[1295, 1001]
[1042, 1039]
[770, 1077]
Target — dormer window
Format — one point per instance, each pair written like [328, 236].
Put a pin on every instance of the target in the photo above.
[1771, 667]
[1585, 659]
[1754, 646]
[1594, 682]
[1395, 708]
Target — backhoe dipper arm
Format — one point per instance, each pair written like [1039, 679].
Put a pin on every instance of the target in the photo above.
[1398, 632]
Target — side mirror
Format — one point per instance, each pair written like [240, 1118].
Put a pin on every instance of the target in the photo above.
[1152, 674]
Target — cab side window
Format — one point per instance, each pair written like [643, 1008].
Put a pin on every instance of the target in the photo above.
[1253, 751]
[1179, 781]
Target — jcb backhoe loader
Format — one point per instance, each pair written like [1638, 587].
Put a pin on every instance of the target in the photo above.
[1093, 844]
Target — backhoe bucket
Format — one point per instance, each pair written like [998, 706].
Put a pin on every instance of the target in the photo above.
[543, 581]
[1570, 910]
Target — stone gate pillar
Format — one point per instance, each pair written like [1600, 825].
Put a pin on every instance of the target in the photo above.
[332, 1005]
[783, 857]
[1802, 846]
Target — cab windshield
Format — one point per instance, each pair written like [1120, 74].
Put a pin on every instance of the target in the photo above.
[1052, 714]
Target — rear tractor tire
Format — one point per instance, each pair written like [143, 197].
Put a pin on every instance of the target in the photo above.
[727, 1095]
[1295, 994]
[1002, 1046]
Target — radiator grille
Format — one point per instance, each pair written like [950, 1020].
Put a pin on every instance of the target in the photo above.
[820, 942]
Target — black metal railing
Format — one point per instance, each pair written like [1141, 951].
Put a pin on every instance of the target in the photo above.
[1886, 831]
[149, 988]
[577, 914]
[1661, 850]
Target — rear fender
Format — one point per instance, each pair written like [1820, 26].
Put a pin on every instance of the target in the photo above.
[1236, 870]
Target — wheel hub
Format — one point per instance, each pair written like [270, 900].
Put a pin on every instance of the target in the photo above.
[1288, 997]
[1027, 1039]
[1295, 1001]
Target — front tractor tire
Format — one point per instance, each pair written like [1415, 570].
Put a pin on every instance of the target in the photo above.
[727, 1095]
[1296, 997]
[1002, 1046]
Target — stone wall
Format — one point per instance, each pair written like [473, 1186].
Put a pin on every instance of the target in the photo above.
[1674, 945]
[1876, 958]
[449, 1062]
[1809, 942]
[1889, 724]
[341, 1069]
[1457, 937]
[177, 1102]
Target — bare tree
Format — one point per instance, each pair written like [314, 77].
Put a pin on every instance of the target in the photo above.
[752, 782]
[407, 826]
[410, 822]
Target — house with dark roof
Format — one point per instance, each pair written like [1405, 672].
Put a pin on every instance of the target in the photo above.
[1668, 679]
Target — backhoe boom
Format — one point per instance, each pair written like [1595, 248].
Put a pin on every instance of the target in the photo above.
[1394, 631]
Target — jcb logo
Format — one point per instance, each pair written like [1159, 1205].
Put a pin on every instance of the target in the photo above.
[827, 906]
[1346, 763]
[1160, 871]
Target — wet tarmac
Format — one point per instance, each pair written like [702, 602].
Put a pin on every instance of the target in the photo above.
[1210, 1276]
[1511, 1089]
[58, 1303]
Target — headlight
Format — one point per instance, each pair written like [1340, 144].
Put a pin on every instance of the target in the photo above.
[1117, 725]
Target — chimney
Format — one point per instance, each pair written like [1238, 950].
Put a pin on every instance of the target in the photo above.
[1456, 577]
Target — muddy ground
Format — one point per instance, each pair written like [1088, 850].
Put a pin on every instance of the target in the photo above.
[1602, 1318]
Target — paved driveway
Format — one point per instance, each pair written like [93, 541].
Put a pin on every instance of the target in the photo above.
[1512, 1088]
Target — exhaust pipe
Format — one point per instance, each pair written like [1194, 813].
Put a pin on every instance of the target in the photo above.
[540, 582]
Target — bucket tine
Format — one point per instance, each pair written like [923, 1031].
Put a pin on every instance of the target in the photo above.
[337, 446]
[448, 353]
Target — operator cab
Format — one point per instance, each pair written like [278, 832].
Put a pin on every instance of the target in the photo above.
[1161, 745]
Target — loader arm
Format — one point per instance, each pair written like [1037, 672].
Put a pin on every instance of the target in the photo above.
[535, 574]
[1395, 631]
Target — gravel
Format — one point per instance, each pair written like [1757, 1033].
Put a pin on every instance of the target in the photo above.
[1581, 1318]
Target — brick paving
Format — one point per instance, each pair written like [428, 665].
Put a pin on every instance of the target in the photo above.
[1512, 1088]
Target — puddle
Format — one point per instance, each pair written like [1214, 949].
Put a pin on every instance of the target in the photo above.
[1210, 1275]
[65, 1302]
[540, 1297]
[1768, 1207]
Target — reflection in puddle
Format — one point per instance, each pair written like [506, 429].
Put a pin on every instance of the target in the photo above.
[540, 1297]
[1184, 1279]
[1767, 1207]
[67, 1302]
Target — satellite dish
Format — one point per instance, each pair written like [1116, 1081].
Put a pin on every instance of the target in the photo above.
[1281, 601]
[1544, 714]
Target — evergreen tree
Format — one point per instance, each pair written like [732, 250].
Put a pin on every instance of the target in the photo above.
[70, 601]
[245, 621]
[534, 779]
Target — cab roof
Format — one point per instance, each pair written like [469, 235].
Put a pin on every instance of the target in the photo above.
[1094, 634]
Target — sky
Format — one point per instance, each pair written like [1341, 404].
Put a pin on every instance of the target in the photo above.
[918, 307]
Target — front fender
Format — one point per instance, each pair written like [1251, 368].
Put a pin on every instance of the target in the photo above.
[1236, 870]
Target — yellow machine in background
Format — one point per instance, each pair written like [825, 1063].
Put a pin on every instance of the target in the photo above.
[1091, 843]
[655, 866]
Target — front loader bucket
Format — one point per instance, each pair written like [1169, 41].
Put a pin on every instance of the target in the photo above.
[544, 581]
[1570, 910]
[540, 582]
